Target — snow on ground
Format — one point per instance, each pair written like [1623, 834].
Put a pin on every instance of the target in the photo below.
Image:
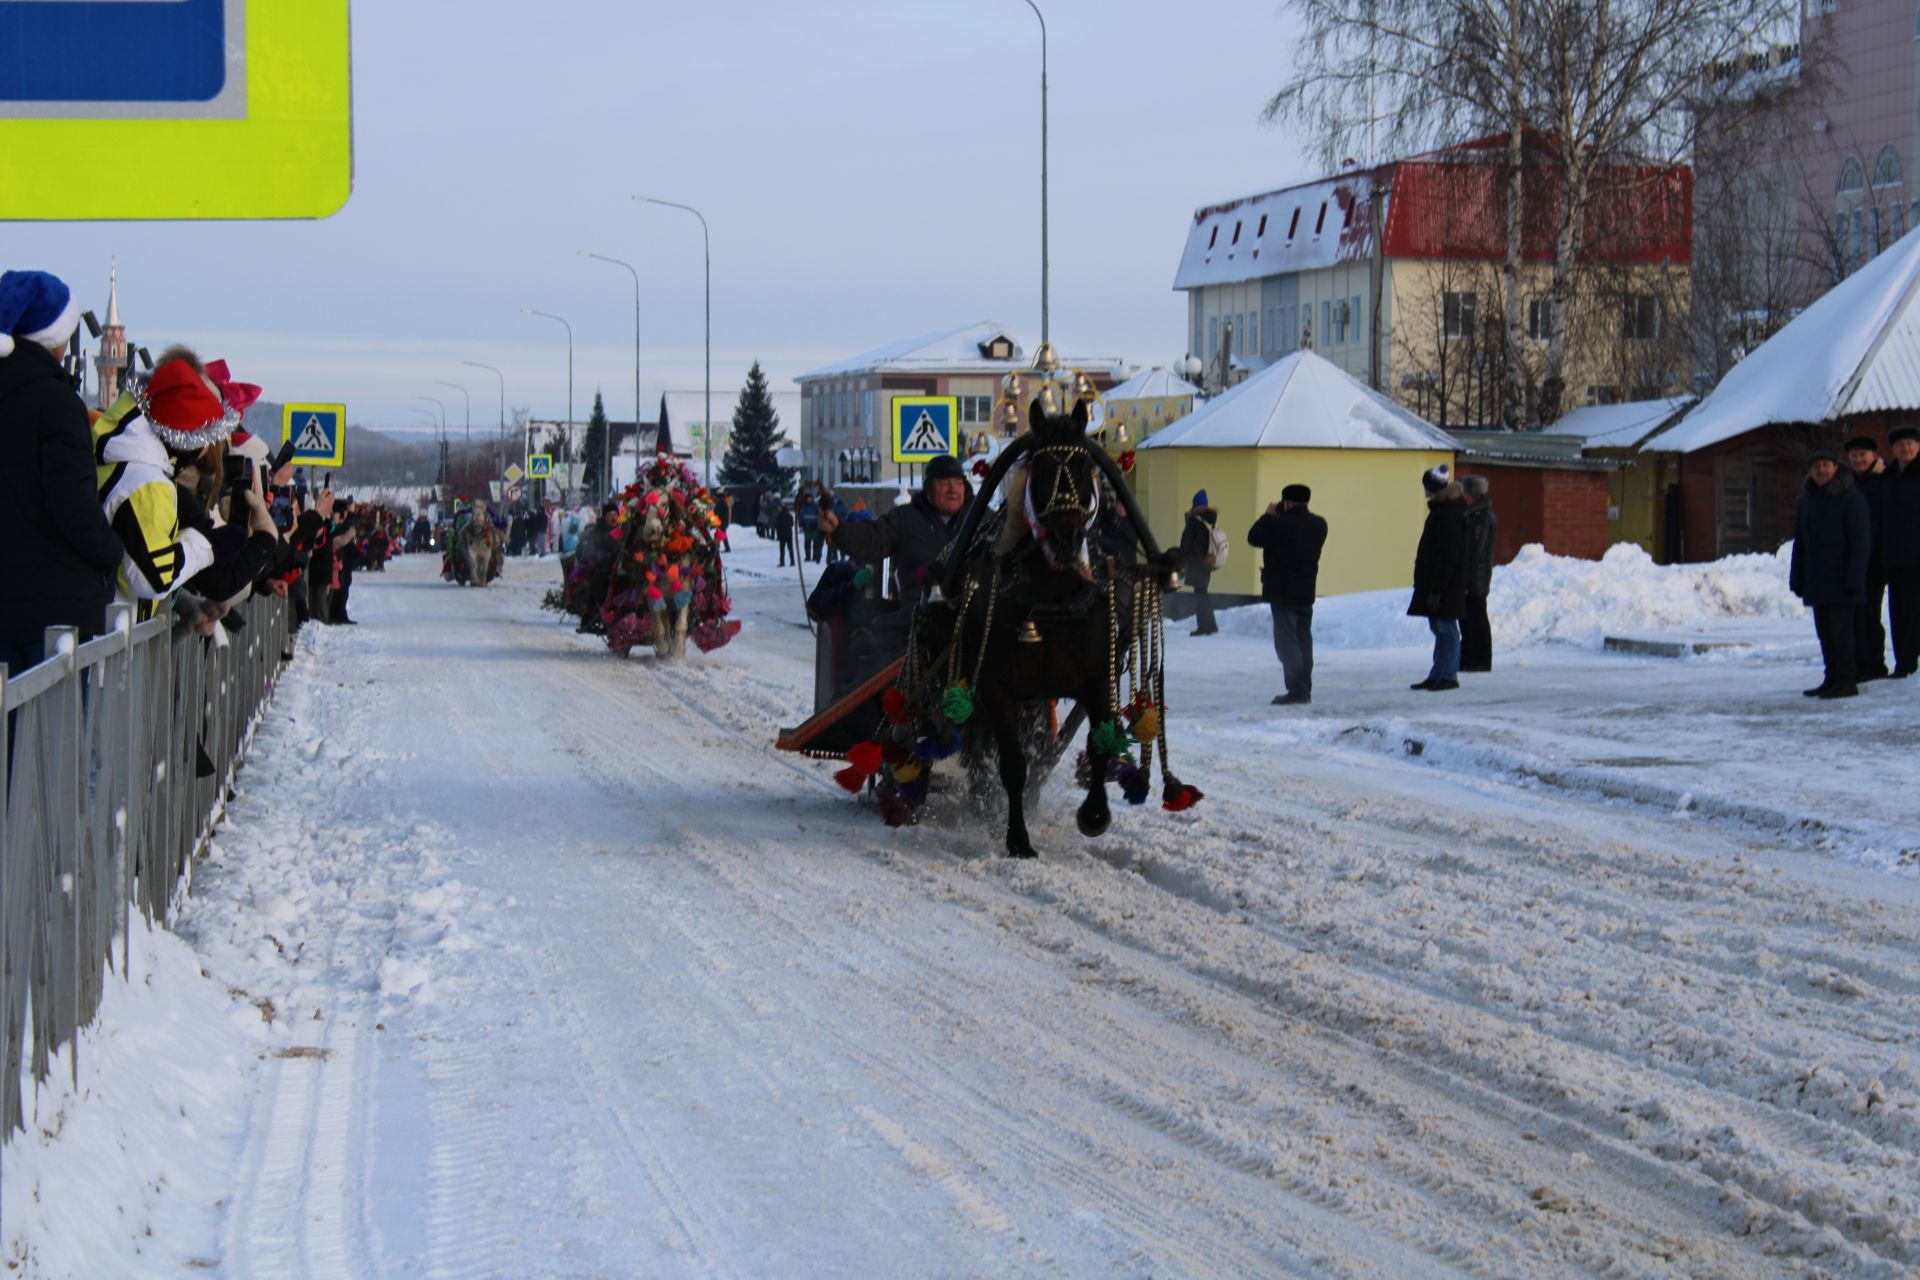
[520, 959]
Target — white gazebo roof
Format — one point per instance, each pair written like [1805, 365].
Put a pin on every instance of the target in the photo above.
[1856, 350]
[1617, 426]
[1153, 384]
[955, 351]
[1302, 402]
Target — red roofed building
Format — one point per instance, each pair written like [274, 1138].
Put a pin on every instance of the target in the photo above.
[1416, 308]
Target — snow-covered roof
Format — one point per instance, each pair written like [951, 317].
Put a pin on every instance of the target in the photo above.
[1618, 426]
[956, 351]
[1856, 350]
[1303, 401]
[1298, 228]
[1153, 384]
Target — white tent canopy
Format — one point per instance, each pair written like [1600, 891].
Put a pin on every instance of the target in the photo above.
[1153, 384]
[1302, 402]
[1856, 350]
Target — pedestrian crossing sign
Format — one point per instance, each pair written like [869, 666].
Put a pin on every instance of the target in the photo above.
[540, 466]
[925, 427]
[318, 432]
[264, 90]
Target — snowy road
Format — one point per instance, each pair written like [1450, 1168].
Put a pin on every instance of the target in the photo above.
[570, 975]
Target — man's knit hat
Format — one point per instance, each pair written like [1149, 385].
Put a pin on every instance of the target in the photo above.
[1436, 479]
[1296, 493]
[1863, 442]
[36, 307]
[1906, 431]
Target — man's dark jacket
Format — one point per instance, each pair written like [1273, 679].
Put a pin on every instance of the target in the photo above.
[57, 552]
[1873, 486]
[1899, 494]
[1440, 563]
[913, 534]
[1832, 534]
[1483, 534]
[1290, 542]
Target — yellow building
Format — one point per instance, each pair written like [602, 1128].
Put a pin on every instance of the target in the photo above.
[1305, 421]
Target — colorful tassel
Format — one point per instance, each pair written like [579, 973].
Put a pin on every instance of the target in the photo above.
[1147, 728]
[1108, 739]
[1178, 795]
[851, 778]
[865, 756]
[1134, 784]
[894, 703]
[906, 771]
[863, 578]
[957, 703]
[894, 810]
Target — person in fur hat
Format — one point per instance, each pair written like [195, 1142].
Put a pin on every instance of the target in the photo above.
[1869, 636]
[1900, 519]
[60, 553]
[1440, 575]
[1832, 535]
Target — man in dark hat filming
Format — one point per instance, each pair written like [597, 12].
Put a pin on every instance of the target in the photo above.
[1290, 539]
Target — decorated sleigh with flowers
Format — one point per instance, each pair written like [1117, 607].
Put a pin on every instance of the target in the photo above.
[1035, 608]
[668, 584]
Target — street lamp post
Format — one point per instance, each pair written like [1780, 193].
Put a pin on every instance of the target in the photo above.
[548, 315]
[636, 369]
[499, 461]
[443, 434]
[1043, 170]
[706, 245]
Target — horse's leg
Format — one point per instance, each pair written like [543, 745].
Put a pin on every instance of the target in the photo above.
[662, 642]
[1004, 715]
[680, 630]
[1093, 816]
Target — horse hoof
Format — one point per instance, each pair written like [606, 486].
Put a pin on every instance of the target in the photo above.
[1020, 848]
[1093, 824]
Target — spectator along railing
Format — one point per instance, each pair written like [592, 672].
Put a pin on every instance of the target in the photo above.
[106, 803]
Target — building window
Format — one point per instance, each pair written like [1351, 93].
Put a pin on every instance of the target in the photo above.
[1320, 223]
[1213, 336]
[1461, 314]
[1253, 332]
[1213, 238]
[1260, 230]
[1886, 168]
[1641, 320]
[1540, 319]
[1601, 394]
[1236, 234]
[1873, 232]
[977, 409]
[1294, 225]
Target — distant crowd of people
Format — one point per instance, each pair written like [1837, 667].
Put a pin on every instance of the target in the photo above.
[161, 501]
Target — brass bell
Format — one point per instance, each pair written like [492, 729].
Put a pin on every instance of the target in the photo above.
[1029, 634]
[1049, 401]
[1046, 359]
[1015, 388]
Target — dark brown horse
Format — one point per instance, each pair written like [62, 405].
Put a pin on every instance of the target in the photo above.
[1047, 614]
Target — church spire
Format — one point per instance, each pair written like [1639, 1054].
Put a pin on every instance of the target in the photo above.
[113, 295]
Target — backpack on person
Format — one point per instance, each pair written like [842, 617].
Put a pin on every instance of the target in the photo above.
[1217, 547]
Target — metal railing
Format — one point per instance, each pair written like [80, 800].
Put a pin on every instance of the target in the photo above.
[116, 761]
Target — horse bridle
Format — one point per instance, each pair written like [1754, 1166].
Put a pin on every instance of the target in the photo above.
[1065, 497]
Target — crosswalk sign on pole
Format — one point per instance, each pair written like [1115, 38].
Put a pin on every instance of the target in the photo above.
[318, 432]
[265, 88]
[925, 427]
[539, 466]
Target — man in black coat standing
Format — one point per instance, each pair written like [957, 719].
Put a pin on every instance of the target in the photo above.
[1869, 636]
[1290, 539]
[1483, 532]
[1440, 576]
[1832, 534]
[57, 551]
[912, 534]
[1899, 496]
[1196, 551]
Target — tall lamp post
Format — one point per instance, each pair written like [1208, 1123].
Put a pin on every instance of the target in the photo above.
[466, 449]
[548, 315]
[706, 245]
[601, 257]
[501, 435]
[1043, 170]
[443, 433]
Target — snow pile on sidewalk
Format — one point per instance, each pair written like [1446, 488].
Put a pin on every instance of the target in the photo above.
[1546, 599]
[1542, 598]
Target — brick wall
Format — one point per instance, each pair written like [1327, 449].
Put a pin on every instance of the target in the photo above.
[1564, 510]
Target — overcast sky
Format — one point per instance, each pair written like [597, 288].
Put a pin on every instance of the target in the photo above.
[870, 171]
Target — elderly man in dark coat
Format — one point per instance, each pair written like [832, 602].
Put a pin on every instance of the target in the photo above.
[1440, 576]
[1832, 536]
[1290, 539]
[1899, 501]
[1483, 532]
[60, 553]
[1869, 635]
[913, 534]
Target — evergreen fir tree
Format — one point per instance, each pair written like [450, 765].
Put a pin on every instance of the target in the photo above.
[756, 439]
[593, 449]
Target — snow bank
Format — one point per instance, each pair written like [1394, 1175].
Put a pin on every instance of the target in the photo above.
[1546, 599]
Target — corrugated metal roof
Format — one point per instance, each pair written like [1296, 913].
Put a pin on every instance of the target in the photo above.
[1856, 350]
[1617, 426]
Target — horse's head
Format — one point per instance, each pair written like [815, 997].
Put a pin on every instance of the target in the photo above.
[1062, 491]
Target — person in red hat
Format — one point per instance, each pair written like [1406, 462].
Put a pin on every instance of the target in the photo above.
[142, 440]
